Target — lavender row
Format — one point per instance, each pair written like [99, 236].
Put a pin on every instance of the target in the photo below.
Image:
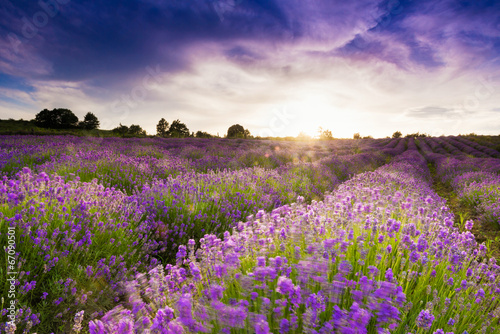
[488, 150]
[379, 255]
[476, 182]
[128, 164]
[459, 146]
[466, 148]
[77, 240]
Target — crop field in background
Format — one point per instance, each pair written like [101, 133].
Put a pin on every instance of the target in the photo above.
[164, 235]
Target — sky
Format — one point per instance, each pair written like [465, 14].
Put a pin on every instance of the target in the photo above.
[277, 67]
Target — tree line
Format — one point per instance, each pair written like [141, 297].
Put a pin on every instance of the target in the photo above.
[61, 118]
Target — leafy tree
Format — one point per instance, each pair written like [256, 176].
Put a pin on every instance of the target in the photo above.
[356, 136]
[46, 119]
[136, 130]
[121, 129]
[324, 134]
[397, 134]
[178, 130]
[203, 134]
[90, 122]
[162, 128]
[417, 134]
[237, 131]
[56, 119]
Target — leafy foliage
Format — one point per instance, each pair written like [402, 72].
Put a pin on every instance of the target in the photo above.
[90, 122]
[136, 130]
[178, 130]
[203, 134]
[325, 134]
[237, 131]
[56, 119]
[162, 128]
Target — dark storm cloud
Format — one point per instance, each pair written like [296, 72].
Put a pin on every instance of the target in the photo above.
[95, 40]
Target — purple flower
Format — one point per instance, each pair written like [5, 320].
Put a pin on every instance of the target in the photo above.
[285, 286]
[345, 267]
[469, 224]
[425, 319]
[284, 326]
[216, 292]
[389, 276]
[162, 318]
[96, 327]
[414, 256]
[261, 326]
[373, 270]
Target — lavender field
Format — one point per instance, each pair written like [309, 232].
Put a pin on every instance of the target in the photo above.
[165, 235]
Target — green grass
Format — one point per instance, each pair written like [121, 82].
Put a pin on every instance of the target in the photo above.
[22, 127]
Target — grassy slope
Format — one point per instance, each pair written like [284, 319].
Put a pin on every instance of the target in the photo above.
[18, 127]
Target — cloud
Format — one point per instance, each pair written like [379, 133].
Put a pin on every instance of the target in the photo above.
[431, 112]
[342, 63]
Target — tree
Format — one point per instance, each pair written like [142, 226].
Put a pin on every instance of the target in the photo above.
[56, 119]
[162, 128]
[121, 129]
[90, 122]
[46, 119]
[397, 134]
[417, 134]
[203, 134]
[356, 136]
[237, 131]
[136, 130]
[178, 130]
[324, 134]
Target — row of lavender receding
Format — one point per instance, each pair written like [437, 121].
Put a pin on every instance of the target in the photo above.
[378, 255]
[77, 241]
[476, 181]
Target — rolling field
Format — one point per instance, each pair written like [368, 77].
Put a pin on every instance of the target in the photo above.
[155, 235]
